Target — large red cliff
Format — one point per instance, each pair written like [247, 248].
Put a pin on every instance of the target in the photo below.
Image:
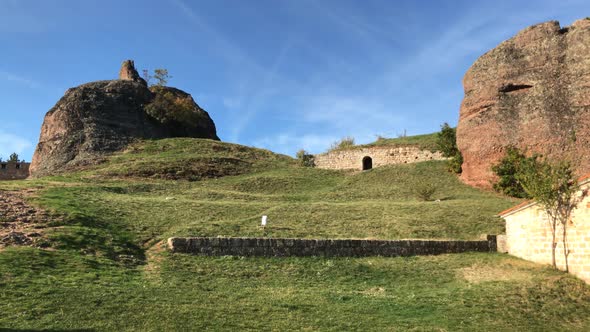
[533, 92]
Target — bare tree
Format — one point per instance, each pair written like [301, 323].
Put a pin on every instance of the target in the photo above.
[146, 76]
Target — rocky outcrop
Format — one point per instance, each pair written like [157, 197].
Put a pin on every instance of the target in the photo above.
[533, 92]
[129, 73]
[98, 118]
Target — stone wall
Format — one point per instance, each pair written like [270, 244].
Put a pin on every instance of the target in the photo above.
[14, 171]
[219, 246]
[528, 236]
[380, 156]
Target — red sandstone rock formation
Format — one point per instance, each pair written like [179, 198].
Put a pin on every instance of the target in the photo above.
[533, 92]
[98, 118]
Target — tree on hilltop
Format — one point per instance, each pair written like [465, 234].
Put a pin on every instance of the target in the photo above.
[160, 76]
[13, 158]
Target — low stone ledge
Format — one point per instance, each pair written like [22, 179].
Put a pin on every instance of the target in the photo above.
[284, 247]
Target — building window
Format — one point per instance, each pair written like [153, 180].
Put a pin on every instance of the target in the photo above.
[17, 166]
[3, 166]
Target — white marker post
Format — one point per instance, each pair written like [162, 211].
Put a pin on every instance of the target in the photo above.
[263, 224]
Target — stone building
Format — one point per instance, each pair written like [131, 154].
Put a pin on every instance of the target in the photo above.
[528, 235]
[14, 171]
[368, 157]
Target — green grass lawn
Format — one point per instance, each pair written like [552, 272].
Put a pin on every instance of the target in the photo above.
[66, 290]
[103, 270]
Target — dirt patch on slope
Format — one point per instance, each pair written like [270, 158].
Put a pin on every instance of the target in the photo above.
[20, 222]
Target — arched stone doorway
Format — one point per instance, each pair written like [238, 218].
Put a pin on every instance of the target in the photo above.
[367, 163]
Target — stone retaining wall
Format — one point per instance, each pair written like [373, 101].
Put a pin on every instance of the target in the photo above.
[218, 246]
[380, 156]
[14, 171]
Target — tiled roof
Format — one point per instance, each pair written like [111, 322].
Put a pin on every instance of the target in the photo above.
[514, 208]
[582, 180]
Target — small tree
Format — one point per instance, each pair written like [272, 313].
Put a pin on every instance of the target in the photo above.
[446, 143]
[13, 158]
[554, 187]
[305, 159]
[161, 76]
[507, 171]
[425, 191]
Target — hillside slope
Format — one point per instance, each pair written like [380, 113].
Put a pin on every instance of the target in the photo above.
[246, 183]
[104, 257]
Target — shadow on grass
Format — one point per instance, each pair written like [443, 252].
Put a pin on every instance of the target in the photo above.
[90, 225]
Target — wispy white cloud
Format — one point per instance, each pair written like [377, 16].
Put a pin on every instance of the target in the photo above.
[10, 143]
[264, 91]
[232, 102]
[290, 143]
[217, 41]
[258, 83]
[402, 73]
[6, 76]
[341, 111]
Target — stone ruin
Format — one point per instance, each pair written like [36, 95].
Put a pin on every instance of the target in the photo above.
[129, 73]
[368, 157]
[14, 171]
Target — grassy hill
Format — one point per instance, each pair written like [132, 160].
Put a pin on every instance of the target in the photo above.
[424, 142]
[104, 267]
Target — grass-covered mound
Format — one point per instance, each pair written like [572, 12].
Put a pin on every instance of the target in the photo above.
[423, 142]
[189, 158]
[103, 269]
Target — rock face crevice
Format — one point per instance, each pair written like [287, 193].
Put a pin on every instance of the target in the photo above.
[531, 92]
[98, 118]
[510, 87]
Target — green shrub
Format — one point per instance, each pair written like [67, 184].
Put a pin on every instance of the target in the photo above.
[344, 143]
[177, 111]
[508, 171]
[454, 164]
[425, 191]
[447, 141]
[447, 144]
[305, 159]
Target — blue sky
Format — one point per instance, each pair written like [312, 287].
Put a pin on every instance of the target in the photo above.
[276, 74]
